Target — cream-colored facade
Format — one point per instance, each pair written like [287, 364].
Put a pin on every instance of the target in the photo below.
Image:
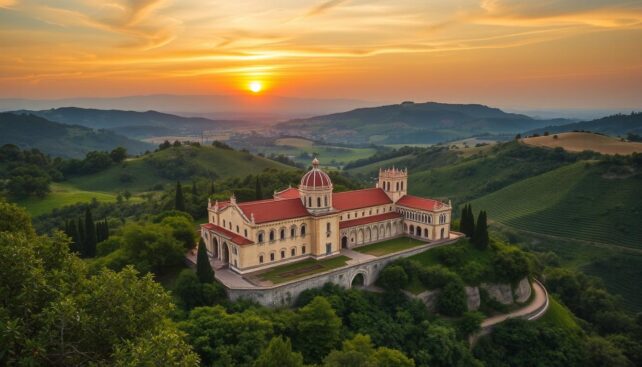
[313, 222]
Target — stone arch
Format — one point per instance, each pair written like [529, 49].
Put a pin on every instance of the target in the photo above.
[353, 236]
[382, 231]
[361, 278]
[388, 230]
[344, 242]
[418, 232]
[375, 233]
[412, 229]
[368, 234]
[360, 236]
[226, 253]
[426, 232]
[303, 230]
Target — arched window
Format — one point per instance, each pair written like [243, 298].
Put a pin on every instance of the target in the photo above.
[260, 237]
[271, 256]
[309, 202]
[271, 235]
[401, 185]
[302, 249]
[245, 233]
[282, 234]
[223, 223]
[237, 229]
[318, 202]
[325, 200]
[260, 259]
[282, 254]
[328, 227]
[397, 186]
[303, 230]
[293, 251]
[293, 232]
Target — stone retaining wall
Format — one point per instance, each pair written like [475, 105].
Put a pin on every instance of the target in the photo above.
[285, 294]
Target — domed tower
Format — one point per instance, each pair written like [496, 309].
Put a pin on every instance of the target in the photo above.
[316, 190]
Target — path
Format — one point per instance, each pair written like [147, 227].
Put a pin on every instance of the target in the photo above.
[532, 311]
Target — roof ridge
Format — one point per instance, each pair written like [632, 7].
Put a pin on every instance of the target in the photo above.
[367, 188]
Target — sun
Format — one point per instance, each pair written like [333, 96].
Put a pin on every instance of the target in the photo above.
[255, 86]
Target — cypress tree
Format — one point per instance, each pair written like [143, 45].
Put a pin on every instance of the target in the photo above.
[463, 221]
[259, 190]
[80, 245]
[90, 234]
[73, 234]
[106, 229]
[204, 270]
[471, 222]
[179, 200]
[481, 231]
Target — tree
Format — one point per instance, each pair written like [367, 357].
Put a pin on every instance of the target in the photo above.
[182, 227]
[118, 155]
[279, 354]
[470, 323]
[179, 200]
[317, 330]
[192, 293]
[360, 352]
[81, 237]
[258, 190]
[511, 265]
[463, 221]
[203, 268]
[452, 299]
[14, 219]
[393, 278]
[470, 221]
[481, 239]
[89, 245]
[151, 247]
[166, 347]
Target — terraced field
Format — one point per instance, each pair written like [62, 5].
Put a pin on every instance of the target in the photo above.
[573, 201]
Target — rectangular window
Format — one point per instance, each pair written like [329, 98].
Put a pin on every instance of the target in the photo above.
[272, 256]
[328, 248]
[293, 252]
[303, 249]
[261, 259]
[282, 254]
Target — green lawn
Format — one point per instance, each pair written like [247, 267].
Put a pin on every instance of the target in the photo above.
[62, 194]
[389, 246]
[302, 269]
[558, 315]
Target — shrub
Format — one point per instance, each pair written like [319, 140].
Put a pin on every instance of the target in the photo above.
[437, 276]
[511, 265]
[393, 278]
[450, 255]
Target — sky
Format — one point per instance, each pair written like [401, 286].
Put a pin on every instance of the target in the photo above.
[507, 53]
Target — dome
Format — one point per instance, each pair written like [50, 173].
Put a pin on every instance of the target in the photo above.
[316, 179]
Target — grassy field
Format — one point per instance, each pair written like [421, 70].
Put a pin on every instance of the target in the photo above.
[302, 269]
[558, 315]
[573, 201]
[578, 142]
[389, 246]
[205, 161]
[302, 150]
[373, 168]
[62, 194]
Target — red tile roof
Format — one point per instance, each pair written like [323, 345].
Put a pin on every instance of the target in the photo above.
[234, 237]
[370, 219]
[289, 193]
[415, 202]
[358, 199]
[273, 210]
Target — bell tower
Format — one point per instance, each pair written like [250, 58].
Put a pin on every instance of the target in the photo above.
[394, 182]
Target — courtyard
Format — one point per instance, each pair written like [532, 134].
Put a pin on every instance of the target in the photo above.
[389, 246]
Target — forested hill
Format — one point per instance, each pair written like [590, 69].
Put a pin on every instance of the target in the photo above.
[615, 125]
[71, 141]
[133, 123]
[414, 123]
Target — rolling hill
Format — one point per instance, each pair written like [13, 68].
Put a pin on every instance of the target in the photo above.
[581, 141]
[615, 125]
[56, 139]
[410, 123]
[135, 124]
[166, 166]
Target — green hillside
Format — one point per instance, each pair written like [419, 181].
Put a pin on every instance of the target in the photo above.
[573, 201]
[482, 173]
[176, 163]
[71, 141]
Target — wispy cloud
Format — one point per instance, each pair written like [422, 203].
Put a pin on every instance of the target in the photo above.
[324, 7]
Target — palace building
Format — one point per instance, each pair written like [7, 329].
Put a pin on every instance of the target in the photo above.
[312, 221]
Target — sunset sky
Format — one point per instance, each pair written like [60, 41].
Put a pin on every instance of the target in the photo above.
[507, 53]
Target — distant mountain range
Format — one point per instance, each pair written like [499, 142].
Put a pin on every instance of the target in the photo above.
[410, 122]
[135, 124]
[258, 108]
[71, 141]
[615, 125]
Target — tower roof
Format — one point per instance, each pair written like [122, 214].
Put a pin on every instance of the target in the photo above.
[315, 179]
